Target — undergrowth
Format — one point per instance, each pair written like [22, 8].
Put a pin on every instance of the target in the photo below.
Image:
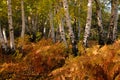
[44, 60]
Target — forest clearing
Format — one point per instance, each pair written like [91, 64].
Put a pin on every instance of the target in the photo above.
[60, 40]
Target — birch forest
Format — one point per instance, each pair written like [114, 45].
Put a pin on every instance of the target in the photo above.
[60, 40]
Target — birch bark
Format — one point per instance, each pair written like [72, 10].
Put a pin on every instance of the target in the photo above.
[115, 20]
[11, 31]
[112, 31]
[62, 32]
[88, 24]
[3, 41]
[68, 23]
[23, 19]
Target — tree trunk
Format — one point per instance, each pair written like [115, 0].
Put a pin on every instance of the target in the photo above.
[115, 20]
[3, 41]
[44, 32]
[4, 36]
[101, 40]
[52, 26]
[68, 22]
[88, 24]
[112, 31]
[11, 31]
[62, 32]
[23, 19]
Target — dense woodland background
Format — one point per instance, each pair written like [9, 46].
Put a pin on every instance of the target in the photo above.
[60, 39]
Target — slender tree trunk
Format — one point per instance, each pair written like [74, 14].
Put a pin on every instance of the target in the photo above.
[11, 30]
[62, 32]
[44, 32]
[52, 27]
[115, 20]
[88, 24]
[101, 40]
[68, 22]
[23, 19]
[4, 36]
[1, 35]
[112, 31]
[3, 41]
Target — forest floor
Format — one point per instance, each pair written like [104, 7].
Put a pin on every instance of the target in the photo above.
[44, 60]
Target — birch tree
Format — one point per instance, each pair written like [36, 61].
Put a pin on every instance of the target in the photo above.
[10, 23]
[112, 31]
[88, 24]
[101, 40]
[23, 19]
[3, 41]
[62, 32]
[68, 23]
[4, 36]
[116, 19]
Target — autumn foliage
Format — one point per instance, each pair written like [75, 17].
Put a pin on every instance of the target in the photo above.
[44, 60]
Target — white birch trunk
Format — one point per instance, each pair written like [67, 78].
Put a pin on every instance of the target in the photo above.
[1, 38]
[62, 32]
[2, 41]
[23, 19]
[44, 30]
[112, 31]
[115, 21]
[11, 31]
[4, 36]
[88, 24]
[68, 23]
